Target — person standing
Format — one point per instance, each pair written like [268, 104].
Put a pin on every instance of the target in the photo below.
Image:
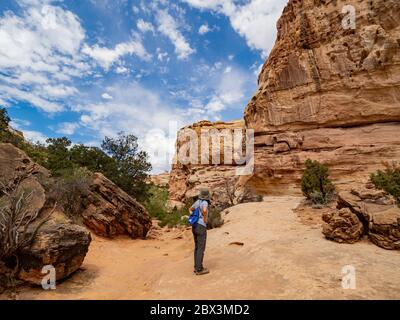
[200, 230]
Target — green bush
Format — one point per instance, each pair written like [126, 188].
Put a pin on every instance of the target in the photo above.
[388, 180]
[315, 183]
[214, 219]
[70, 191]
[156, 202]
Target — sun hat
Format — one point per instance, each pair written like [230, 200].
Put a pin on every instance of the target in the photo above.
[204, 194]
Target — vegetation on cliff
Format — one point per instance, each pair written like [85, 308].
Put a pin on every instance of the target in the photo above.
[119, 158]
[315, 183]
[388, 180]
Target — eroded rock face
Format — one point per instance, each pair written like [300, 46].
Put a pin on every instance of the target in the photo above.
[111, 212]
[342, 226]
[61, 245]
[160, 180]
[384, 229]
[328, 93]
[58, 242]
[221, 179]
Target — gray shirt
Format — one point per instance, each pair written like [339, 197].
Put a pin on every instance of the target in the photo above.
[203, 204]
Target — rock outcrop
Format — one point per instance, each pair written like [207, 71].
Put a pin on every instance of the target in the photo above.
[221, 179]
[110, 211]
[160, 180]
[364, 211]
[58, 242]
[342, 226]
[328, 93]
[62, 245]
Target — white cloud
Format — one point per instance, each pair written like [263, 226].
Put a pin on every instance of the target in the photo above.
[106, 96]
[134, 109]
[228, 69]
[107, 57]
[169, 27]
[204, 29]
[145, 26]
[255, 20]
[34, 136]
[121, 70]
[39, 50]
[67, 128]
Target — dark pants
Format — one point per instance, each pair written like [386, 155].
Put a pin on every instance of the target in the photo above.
[200, 237]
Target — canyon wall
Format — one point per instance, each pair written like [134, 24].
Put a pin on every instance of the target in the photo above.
[328, 92]
[186, 179]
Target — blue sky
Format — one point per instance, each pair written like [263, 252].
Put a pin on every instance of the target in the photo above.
[89, 68]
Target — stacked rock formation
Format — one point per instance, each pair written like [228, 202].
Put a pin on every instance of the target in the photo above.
[364, 211]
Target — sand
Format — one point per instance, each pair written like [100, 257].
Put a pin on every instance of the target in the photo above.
[263, 251]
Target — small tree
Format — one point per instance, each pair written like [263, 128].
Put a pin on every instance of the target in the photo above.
[4, 119]
[132, 168]
[388, 180]
[315, 183]
[59, 158]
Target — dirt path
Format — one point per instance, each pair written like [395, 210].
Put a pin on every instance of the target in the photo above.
[281, 258]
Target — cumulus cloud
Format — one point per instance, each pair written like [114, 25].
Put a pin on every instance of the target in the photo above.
[255, 20]
[40, 50]
[204, 29]
[169, 27]
[43, 51]
[106, 96]
[106, 57]
[135, 109]
[34, 136]
[144, 26]
[67, 128]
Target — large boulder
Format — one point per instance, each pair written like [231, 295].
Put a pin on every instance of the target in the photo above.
[58, 242]
[384, 228]
[110, 211]
[63, 245]
[342, 226]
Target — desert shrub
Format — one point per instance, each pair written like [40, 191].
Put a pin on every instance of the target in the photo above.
[388, 180]
[70, 190]
[315, 183]
[156, 202]
[214, 219]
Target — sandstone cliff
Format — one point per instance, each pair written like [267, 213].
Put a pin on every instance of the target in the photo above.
[328, 93]
[185, 180]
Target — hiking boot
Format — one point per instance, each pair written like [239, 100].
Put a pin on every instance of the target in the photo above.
[204, 271]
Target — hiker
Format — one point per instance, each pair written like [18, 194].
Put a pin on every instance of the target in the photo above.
[198, 220]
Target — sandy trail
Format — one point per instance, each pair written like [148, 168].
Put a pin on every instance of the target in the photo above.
[281, 258]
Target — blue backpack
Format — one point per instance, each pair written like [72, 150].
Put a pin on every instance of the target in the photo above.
[195, 216]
